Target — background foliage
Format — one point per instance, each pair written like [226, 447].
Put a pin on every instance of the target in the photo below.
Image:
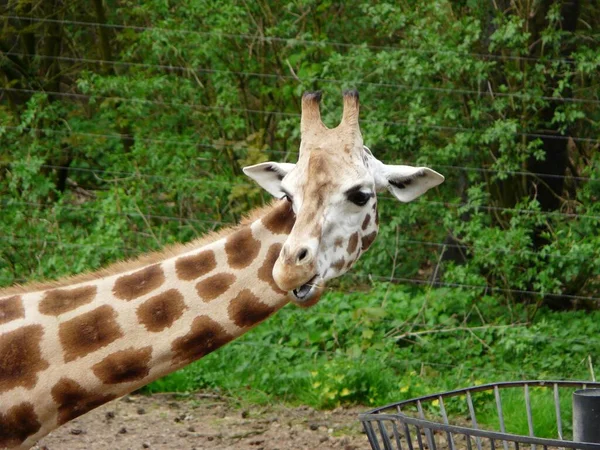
[124, 126]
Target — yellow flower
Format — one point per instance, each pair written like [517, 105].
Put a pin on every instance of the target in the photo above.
[435, 402]
[345, 392]
[404, 389]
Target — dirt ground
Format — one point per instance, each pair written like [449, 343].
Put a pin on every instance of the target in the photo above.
[207, 421]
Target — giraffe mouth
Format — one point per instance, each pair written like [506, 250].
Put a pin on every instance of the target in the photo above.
[307, 290]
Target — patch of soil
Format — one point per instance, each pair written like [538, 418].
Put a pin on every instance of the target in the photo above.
[207, 421]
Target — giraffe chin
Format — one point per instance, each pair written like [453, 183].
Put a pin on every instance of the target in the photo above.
[309, 293]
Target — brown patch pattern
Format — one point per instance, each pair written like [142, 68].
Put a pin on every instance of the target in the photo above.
[280, 220]
[205, 336]
[129, 287]
[89, 332]
[73, 400]
[21, 358]
[124, 366]
[339, 241]
[265, 273]
[241, 248]
[211, 287]
[160, 311]
[246, 309]
[59, 301]
[368, 240]
[11, 308]
[339, 264]
[352, 243]
[191, 267]
[18, 424]
[366, 222]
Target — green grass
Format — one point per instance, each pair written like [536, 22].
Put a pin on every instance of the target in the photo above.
[543, 412]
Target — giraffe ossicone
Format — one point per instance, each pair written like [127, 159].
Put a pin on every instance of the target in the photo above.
[69, 346]
[332, 189]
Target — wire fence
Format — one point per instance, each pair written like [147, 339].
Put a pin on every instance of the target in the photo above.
[294, 78]
[291, 40]
[386, 198]
[215, 146]
[368, 277]
[228, 109]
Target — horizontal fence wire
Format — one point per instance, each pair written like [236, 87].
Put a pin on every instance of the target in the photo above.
[467, 247]
[436, 283]
[532, 134]
[394, 86]
[177, 142]
[387, 198]
[221, 146]
[141, 174]
[289, 40]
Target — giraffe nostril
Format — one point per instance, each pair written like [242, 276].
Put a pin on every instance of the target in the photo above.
[301, 255]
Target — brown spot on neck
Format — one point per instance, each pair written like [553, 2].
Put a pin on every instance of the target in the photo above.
[89, 332]
[352, 243]
[366, 222]
[241, 248]
[367, 240]
[192, 267]
[339, 241]
[11, 308]
[265, 273]
[129, 287]
[247, 310]
[73, 400]
[204, 337]
[59, 301]
[18, 424]
[212, 287]
[160, 311]
[124, 366]
[280, 220]
[21, 358]
[339, 264]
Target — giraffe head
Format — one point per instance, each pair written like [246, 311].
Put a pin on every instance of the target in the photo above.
[332, 189]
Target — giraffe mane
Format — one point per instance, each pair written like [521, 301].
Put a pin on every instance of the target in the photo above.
[139, 261]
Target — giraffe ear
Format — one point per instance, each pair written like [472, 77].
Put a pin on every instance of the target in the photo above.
[406, 182]
[269, 175]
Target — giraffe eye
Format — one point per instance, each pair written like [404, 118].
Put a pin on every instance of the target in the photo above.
[287, 197]
[359, 198]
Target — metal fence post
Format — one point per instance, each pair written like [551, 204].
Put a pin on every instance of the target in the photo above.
[586, 415]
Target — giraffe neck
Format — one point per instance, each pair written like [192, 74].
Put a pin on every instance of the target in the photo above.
[67, 350]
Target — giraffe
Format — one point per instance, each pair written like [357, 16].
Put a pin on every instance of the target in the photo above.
[69, 346]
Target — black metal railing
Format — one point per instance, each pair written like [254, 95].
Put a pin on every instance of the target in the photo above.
[476, 418]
